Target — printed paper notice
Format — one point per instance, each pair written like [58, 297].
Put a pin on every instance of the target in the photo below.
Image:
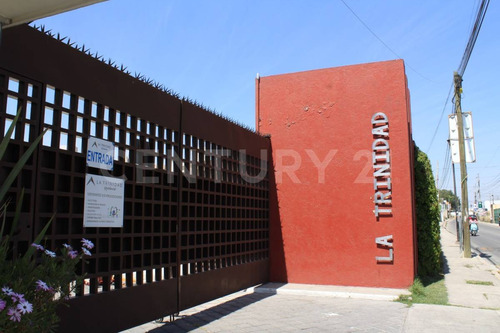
[104, 197]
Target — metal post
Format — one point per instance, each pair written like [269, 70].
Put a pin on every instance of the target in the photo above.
[438, 197]
[463, 166]
[479, 190]
[492, 211]
[455, 193]
[179, 211]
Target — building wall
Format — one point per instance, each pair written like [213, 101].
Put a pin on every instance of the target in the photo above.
[323, 225]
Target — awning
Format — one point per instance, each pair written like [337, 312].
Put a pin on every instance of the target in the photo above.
[15, 12]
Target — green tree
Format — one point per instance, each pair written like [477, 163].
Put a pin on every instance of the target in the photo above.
[451, 198]
[428, 236]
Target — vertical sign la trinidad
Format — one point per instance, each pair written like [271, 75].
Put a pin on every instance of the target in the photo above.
[381, 158]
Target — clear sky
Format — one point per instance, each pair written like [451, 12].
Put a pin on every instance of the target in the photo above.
[211, 51]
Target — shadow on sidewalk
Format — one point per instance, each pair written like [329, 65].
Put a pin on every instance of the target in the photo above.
[446, 267]
[187, 323]
[477, 251]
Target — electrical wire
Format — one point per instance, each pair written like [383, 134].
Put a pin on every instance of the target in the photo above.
[446, 167]
[440, 119]
[475, 8]
[381, 41]
[446, 172]
[493, 183]
[473, 36]
[481, 12]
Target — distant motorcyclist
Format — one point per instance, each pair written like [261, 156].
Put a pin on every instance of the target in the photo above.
[473, 226]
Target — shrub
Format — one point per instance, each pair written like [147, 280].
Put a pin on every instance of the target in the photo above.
[428, 237]
[32, 285]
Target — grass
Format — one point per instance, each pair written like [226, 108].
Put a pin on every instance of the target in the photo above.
[486, 308]
[426, 290]
[482, 283]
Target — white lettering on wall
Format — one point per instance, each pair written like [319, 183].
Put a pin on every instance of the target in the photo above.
[386, 243]
[382, 185]
[381, 158]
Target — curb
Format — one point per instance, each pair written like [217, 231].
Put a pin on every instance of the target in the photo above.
[493, 268]
[390, 295]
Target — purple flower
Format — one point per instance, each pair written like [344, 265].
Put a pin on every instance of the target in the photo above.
[50, 253]
[40, 285]
[15, 314]
[7, 291]
[38, 247]
[17, 297]
[68, 247]
[2, 304]
[73, 254]
[86, 252]
[88, 244]
[25, 307]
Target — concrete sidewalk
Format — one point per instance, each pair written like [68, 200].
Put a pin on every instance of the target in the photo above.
[461, 273]
[292, 308]
[473, 307]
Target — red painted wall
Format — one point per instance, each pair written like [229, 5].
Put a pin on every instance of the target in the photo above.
[323, 226]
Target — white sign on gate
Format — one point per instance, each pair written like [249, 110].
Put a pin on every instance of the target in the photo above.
[100, 153]
[103, 204]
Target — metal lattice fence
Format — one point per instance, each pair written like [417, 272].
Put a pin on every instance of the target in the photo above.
[196, 207]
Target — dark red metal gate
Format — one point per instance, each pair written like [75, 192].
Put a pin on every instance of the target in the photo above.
[196, 214]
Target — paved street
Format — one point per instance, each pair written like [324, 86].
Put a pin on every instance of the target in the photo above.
[290, 313]
[487, 241]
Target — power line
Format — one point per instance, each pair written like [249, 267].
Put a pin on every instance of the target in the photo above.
[493, 183]
[473, 36]
[481, 12]
[446, 167]
[440, 118]
[475, 7]
[381, 41]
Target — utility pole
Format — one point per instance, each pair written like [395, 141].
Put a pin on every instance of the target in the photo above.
[437, 187]
[455, 193]
[478, 189]
[477, 193]
[492, 211]
[457, 79]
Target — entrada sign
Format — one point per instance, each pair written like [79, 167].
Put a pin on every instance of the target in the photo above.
[381, 158]
[100, 153]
